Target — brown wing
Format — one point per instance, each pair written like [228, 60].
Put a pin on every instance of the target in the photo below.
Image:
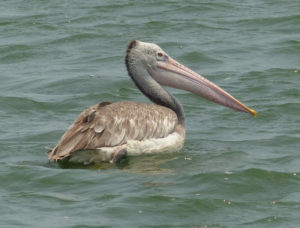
[113, 124]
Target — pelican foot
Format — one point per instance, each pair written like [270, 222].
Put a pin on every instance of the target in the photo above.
[118, 155]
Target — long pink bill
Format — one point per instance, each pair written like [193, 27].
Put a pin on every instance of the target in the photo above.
[176, 75]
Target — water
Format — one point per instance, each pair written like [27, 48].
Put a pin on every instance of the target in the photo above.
[59, 57]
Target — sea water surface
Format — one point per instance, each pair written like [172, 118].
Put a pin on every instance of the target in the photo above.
[59, 57]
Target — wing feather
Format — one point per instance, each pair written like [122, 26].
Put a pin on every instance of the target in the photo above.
[113, 124]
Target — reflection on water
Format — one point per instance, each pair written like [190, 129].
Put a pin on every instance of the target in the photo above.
[144, 164]
[151, 164]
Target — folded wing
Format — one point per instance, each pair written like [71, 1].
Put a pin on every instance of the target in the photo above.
[114, 124]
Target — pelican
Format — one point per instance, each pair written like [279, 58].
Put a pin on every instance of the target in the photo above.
[107, 132]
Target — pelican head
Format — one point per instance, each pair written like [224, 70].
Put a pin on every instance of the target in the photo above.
[148, 64]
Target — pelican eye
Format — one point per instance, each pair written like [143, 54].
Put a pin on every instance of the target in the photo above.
[161, 56]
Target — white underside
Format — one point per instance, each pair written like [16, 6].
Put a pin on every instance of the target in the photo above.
[172, 143]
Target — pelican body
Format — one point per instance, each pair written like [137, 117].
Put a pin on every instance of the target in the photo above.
[107, 132]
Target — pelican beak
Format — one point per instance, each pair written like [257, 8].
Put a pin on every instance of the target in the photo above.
[173, 74]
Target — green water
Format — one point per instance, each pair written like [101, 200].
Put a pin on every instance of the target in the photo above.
[60, 57]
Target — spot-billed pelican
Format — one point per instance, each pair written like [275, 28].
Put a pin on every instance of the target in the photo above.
[110, 131]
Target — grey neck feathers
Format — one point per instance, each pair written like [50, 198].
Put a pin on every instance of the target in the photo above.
[157, 94]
